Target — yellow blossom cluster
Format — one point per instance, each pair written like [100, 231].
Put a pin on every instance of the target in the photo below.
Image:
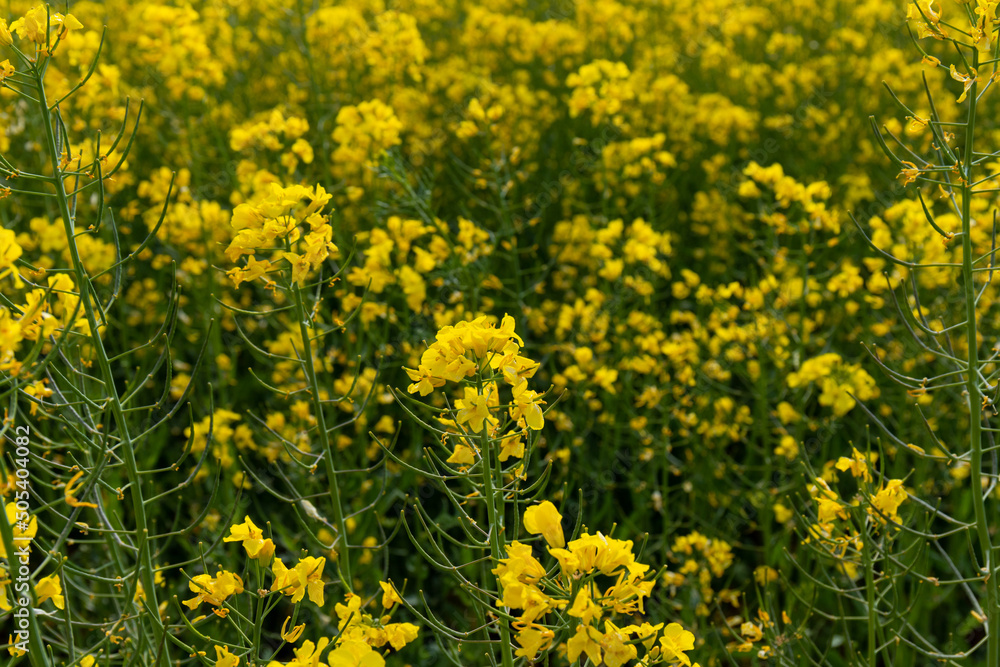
[601, 88]
[787, 192]
[479, 347]
[835, 531]
[271, 224]
[576, 593]
[363, 132]
[40, 25]
[841, 385]
[274, 132]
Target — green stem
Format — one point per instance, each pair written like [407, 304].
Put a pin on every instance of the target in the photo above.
[86, 296]
[258, 621]
[36, 650]
[497, 532]
[866, 554]
[344, 559]
[973, 390]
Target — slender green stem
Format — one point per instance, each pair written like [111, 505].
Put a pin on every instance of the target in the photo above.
[344, 558]
[497, 532]
[127, 449]
[866, 554]
[36, 650]
[973, 390]
[258, 621]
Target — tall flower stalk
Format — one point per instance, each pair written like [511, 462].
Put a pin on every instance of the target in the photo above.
[526, 609]
[924, 544]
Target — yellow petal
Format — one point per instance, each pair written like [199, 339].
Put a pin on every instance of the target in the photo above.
[546, 521]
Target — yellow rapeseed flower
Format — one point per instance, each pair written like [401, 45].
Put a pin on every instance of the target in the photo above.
[545, 520]
[253, 540]
[50, 588]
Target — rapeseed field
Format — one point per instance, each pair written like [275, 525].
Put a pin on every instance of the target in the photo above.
[499, 332]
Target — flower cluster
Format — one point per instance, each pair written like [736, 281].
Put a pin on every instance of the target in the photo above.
[39, 25]
[360, 635]
[577, 593]
[603, 88]
[270, 225]
[479, 348]
[838, 531]
[842, 385]
[363, 132]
